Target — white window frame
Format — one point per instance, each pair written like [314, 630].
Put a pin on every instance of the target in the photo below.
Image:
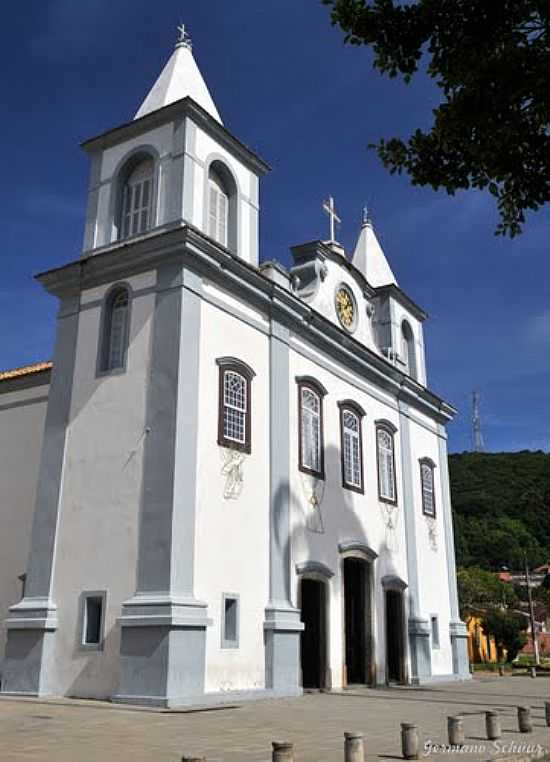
[351, 448]
[232, 411]
[225, 641]
[100, 595]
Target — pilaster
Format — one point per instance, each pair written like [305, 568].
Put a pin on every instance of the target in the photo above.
[163, 638]
[32, 623]
[457, 629]
[282, 624]
[418, 627]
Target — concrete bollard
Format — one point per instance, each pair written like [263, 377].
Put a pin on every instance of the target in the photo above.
[533, 671]
[501, 670]
[193, 759]
[283, 752]
[456, 731]
[525, 723]
[492, 725]
[354, 747]
[547, 712]
[410, 742]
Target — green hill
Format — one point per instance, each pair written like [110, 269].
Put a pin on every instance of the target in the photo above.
[501, 506]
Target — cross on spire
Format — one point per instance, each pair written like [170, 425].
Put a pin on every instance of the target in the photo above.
[330, 208]
[184, 40]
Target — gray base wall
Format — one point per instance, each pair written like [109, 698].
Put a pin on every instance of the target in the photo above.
[29, 659]
[162, 666]
[459, 644]
[420, 649]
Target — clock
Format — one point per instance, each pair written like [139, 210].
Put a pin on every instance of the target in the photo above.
[346, 308]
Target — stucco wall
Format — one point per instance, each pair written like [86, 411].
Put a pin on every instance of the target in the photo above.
[22, 415]
[232, 533]
[99, 515]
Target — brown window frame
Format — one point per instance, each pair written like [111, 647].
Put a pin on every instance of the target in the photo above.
[307, 382]
[432, 466]
[234, 365]
[357, 410]
[390, 429]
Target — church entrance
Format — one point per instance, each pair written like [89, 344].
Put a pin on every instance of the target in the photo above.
[313, 641]
[395, 637]
[356, 621]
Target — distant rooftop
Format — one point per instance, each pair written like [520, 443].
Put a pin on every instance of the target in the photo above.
[26, 370]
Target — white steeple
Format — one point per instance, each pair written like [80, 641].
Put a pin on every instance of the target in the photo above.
[180, 78]
[369, 258]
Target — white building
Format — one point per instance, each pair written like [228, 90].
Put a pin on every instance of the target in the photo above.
[238, 475]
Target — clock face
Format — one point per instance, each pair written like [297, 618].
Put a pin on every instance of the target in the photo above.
[345, 307]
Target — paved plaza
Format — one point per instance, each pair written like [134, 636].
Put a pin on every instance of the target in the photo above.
[79, 731]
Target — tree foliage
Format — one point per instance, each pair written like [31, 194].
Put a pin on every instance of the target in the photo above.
[479, 589]
[501, 508]
[508, 629]
[491, 62]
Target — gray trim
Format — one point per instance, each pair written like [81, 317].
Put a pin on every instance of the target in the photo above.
[349, 546]
[23, 403]
[188, 245]
[48, 495]
[314, 567]
[392, 290]
[82, 645]
[342, 286]
[90, 225]
[184, 107]
[254, 232]
[245, 368]
[225, 643]
[311, 381]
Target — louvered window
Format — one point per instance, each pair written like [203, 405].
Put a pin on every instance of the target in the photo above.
[427, 482]
[137, 200]
[115, 330]
[218, 210]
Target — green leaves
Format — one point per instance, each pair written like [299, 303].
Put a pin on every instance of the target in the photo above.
[491, 62]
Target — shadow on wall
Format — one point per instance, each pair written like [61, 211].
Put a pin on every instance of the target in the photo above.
[323, 515]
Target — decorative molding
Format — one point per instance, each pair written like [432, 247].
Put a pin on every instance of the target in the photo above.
[314, 567]
[356, 546]
[393, 582]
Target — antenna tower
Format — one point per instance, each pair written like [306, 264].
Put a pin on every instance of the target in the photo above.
[477, 436]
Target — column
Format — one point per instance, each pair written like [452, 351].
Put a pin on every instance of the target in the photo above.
[31, 625]
[282, 620]
[418, 626]
[458, 630]
[163, 638]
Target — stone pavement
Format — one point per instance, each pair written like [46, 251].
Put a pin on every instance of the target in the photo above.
[87, 731]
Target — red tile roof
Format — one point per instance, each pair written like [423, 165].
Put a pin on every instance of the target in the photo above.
[27, 370]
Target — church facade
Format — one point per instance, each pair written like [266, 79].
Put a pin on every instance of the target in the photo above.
[235, 479]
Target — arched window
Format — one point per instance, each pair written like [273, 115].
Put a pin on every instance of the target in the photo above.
[427, 483]
[386, 462]
[310, 424]
[115, 330]
[137, 199]
[351, 445]
[222, 206]
[218, 209]
[408, 351]
[234, 415]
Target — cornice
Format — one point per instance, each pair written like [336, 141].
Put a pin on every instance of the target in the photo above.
[184, 107]
[401, 297]
[194, 250]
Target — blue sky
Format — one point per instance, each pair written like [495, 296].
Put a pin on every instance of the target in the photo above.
[287, 86]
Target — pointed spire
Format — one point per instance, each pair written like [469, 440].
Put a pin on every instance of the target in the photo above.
[369, 258]
[180, 78]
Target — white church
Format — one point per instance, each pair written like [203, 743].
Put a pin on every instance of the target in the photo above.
[232, 480]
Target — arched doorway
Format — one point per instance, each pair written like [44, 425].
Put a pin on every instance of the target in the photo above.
[313, 644]
[357, 622]
[395, 636]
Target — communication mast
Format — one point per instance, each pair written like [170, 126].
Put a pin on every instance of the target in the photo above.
[477, 436]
